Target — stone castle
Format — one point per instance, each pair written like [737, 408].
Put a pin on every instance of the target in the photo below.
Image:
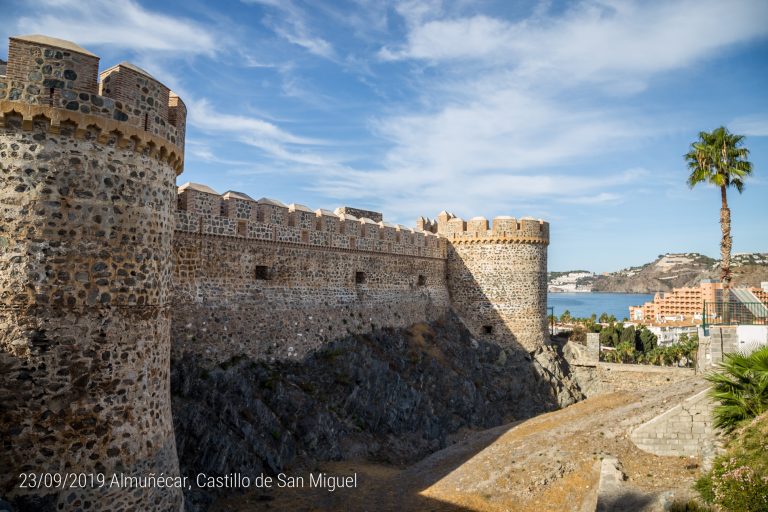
[108, 271]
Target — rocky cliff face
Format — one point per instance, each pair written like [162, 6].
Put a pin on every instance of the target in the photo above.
[390, 396]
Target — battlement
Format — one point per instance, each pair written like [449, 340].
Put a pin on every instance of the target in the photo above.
[476, 230]
[235, 214]
[51, 73]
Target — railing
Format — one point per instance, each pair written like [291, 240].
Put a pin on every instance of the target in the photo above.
[734, 313]
[551, 318]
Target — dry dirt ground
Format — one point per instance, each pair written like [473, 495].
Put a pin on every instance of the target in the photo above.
[548, 463]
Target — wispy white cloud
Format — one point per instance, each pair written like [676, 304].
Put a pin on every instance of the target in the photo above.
[598, 198]
[754, 126]
[593, 40]
[122, 23]
[292, 26]
[508, 104]
[203, 116]
[202, 151]
[274, 141]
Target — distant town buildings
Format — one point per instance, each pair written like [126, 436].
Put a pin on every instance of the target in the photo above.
[570, 282]
[684, 306]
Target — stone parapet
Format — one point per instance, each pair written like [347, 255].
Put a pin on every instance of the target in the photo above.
[87, 196]
[476, 230]
[55, 73]
[88, 126]
[202, 210]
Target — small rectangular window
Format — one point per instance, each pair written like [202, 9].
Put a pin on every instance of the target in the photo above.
[359, 277]
[487, 329]
[262, 272]
[242, 227]
[422, 280]
[304, 236]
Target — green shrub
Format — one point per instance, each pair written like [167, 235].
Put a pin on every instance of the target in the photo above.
[738, 481]
[741, 388]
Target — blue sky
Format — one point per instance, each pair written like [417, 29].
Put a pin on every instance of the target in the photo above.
[578, 112]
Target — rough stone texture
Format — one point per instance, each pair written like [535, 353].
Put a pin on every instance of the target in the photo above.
[269, 280]
[593, 347]
[597, 379]
[392, 395]
[500, 290]
[357, 212]
[85, 268]
[267, 300]
[87, 251]
[40, 74]
[685, 430]
[714, 343]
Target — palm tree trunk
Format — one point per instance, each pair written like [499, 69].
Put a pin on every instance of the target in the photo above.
[725, 244]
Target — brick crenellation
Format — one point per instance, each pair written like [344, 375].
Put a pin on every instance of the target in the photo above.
[51, 72]
[107, 270]
[87, 204]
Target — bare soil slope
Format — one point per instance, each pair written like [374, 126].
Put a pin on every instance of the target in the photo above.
[550, 462]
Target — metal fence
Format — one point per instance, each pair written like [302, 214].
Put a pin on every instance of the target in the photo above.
[551, 318]
[734, 313]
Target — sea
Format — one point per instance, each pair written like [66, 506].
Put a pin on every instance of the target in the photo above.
[582, 305]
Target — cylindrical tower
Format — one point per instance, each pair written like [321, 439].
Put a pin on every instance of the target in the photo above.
[87, 192]
[497, 279]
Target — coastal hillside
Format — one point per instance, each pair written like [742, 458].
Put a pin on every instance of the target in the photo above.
[666, 272]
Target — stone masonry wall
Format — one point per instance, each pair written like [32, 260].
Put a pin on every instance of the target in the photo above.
[85, 267]
[497, 277]
[39, 73]
[500, 290]
[259, 278]
[684, 430]
[276, 300]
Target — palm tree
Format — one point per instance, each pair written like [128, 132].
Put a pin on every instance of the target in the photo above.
[740, 387]
[718, 158]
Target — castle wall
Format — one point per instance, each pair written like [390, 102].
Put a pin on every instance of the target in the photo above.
[97, 273]
[276, 291]
[85, 267]
[498, 279]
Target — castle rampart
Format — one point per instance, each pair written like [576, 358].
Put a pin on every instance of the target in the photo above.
[243, 266]
[202, 210]
[272, 281]
[86, 199]
[45, 71]
[103, 261]
[497, 277]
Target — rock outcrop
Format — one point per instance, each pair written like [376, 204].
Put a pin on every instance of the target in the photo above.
[393, 396]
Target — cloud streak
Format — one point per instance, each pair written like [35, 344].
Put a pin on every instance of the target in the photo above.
[125, 24]
[292, 26]
[503, 106]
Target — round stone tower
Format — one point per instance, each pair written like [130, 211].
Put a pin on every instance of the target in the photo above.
[497, 278]
[87, 188]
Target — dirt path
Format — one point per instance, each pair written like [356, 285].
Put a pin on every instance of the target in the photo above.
[550, 462]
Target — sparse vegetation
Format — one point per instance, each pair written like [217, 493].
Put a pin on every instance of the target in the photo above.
[688, 506]
[738, 481]
[741, 388]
